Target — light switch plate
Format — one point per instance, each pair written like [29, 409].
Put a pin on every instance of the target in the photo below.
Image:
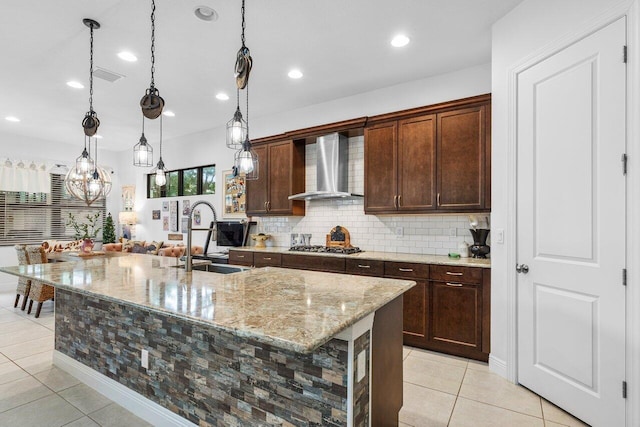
[362, 365]
[499, 235]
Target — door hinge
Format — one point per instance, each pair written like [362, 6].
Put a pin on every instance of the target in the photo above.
[624, 163]
[624, 54]
[624, 277]
[624, 389]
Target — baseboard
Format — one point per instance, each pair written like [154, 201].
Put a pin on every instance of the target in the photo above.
[123, 396]
[498, 366]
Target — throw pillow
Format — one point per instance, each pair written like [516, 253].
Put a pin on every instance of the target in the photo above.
[153, 247]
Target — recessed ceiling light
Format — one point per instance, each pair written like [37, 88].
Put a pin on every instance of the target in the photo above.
[400, 40]
[169, 113]
[222, 96]
[12, 119]
[295, 74]
[127, 56]
[206, 13]
[74, 84]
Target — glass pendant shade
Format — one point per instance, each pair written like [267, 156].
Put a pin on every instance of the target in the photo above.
[89, 186]
[142, 153]
[246, 161]
[84, 163]
[161, 173]
[236, 130]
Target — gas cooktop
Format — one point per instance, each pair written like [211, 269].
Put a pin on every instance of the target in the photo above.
[326, 249]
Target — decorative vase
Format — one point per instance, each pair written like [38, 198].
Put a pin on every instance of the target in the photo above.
[87, 246]
[479, 249]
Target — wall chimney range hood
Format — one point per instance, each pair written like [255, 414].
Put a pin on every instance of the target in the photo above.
[332, 169]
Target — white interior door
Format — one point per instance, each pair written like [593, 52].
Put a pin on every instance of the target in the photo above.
[571, 227]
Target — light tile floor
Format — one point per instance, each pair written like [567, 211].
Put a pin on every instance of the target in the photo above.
[439, 390]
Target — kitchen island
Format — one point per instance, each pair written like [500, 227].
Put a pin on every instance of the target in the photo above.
[267, 346]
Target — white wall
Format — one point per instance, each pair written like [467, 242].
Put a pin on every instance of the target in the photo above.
[517, 37]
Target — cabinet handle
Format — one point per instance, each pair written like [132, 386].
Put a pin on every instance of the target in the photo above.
[267, 259]
[269, 205]
[239, 256]
[265, 206]
[457, 285]
[438, 202]
[363, 266]
[454, 274]
[400, 201]
[395, 202]
[406, 270]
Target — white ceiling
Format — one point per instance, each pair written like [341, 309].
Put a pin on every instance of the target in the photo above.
[342, 47]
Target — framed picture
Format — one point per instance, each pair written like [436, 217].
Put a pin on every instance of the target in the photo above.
[165, 223]
[234, 198]
[173, 216]
[155, 214]
[197, 218]
[185, 224]
[186, 207]
[165, 206]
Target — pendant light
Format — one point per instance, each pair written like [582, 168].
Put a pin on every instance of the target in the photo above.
[87, 181]
[160, 170]
[142, 151]
[152, 103]
[245, 159]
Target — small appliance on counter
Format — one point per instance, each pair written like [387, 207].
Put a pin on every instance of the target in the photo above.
[479, 249]
[260, 240]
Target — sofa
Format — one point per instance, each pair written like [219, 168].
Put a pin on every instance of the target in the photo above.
[152, 248]
[178, 251]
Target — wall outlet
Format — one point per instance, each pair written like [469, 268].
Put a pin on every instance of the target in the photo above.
[453, 232]
[362, 365]
[399, 231]
[144, 359]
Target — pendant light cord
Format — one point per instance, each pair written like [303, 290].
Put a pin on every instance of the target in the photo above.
[161, 137]
[153, 41]
[243, 24]
[91, 70]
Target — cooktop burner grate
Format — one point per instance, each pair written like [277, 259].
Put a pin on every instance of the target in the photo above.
[326, 249]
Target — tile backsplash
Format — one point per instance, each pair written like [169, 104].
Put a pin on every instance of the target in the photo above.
[420, 234]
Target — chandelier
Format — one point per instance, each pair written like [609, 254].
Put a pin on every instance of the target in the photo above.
[87, 181]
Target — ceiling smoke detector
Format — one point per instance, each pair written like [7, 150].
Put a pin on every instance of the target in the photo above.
[206, 13]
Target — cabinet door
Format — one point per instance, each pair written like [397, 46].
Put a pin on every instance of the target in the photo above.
[280, 156]
[414, 314]
[257, 189]
[455, 318]
[416, 164]
[461, 162]
[380, 168]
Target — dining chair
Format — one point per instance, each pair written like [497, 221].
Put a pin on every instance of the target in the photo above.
[39, 291]
[24, 285]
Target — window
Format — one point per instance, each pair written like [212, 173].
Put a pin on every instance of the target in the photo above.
[33, 217]
[184, 182]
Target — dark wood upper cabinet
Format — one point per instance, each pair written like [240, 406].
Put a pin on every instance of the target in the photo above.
[430, 159]
[280, 174]
[461, 159]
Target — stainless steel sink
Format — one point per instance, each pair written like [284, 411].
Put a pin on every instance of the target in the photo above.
[219, 268]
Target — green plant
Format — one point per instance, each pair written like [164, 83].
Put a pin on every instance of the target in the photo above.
[109, 232]
[86, 229]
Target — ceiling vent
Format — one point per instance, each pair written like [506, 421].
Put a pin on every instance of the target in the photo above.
[107, 75]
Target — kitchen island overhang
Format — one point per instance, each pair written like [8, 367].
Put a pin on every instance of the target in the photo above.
[262, 346]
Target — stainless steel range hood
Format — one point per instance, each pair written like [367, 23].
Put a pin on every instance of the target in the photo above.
[332, 169]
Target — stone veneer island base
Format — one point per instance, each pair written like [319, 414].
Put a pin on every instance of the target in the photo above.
[266, 347]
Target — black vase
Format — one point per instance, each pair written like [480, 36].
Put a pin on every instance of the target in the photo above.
[479, 249]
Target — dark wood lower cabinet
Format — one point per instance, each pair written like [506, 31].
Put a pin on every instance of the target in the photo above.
[447, 311]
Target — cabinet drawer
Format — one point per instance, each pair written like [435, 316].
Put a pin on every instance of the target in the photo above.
[267, 259]
[406, 270]
[241, 258]
[448, 273]
[312, 262]
[364, 267]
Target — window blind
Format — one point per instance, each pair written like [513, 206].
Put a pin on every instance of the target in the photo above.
[33, 217]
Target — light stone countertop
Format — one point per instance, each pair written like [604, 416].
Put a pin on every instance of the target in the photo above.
[291, 309]
[382, 256]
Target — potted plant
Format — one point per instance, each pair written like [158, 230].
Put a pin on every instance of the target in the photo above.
[87, 230]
